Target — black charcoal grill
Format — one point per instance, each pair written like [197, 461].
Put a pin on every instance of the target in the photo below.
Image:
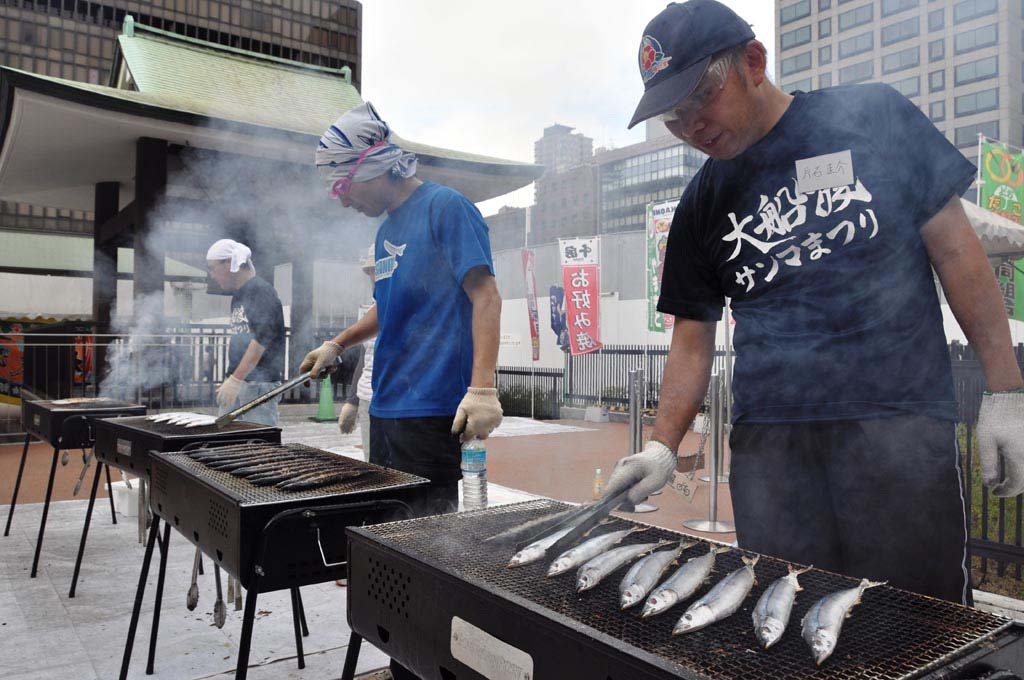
[429, 592]
[64, 424]
[267, 537]
[125, 443]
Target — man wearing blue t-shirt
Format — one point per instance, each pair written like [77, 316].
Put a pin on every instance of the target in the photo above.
[437, 313]
[821, 216]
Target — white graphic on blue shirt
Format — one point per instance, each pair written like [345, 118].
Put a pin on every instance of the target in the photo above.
[783, 214]
[385, 267]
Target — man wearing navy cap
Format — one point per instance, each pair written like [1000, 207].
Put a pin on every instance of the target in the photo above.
[821, 216]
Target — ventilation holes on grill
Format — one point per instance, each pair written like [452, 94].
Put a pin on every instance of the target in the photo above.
[218, 519]
[160, 479]
[388, 587]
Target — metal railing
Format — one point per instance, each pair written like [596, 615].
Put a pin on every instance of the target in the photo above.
[530, 392]
[181, 368]
[602, 377]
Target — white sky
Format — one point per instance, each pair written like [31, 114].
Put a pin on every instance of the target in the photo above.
[487, 77]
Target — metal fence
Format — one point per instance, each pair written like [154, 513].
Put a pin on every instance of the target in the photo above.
[996, 525]
[530, 392]
[181, 368]
[602, 377]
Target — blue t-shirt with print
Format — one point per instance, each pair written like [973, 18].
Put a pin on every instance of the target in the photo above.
[837, 313]
[423, 359]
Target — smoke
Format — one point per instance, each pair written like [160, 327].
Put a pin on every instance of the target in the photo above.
[280, 210]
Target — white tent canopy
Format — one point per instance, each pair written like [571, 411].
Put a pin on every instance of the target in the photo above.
[1000, 237]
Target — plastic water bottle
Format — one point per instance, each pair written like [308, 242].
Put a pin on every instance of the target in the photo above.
[474, 475]
[598, 484]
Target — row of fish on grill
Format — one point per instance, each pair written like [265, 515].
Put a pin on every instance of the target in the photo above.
[186, 418]
[596, 558]
[279, 466]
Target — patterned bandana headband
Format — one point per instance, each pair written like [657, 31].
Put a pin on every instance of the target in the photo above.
[344, 184]
[358, 148]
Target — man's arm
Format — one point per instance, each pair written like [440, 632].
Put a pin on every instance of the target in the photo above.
[685, 382]
[973, 294]
[360, 331]
[482, 290]
[682, 392]
[253, 354]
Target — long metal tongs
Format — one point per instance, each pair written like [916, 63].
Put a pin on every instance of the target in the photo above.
[267, 396]
[582, 520]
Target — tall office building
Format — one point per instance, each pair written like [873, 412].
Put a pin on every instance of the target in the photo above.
[960, 61]
[74, 39]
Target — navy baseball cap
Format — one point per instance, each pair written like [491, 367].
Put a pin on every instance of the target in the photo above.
[676, 48]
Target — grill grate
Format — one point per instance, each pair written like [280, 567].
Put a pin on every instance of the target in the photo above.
[892, 634]
[98, 405]
[374, 477]
[143, 424]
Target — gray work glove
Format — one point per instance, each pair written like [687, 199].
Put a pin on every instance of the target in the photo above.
[646, 472]
[347, 419]
[321, 359]
[1001, 442]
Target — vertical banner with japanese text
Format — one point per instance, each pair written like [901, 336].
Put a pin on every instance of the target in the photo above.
[1010, 275]
[1002, 174]
[531, 301]
[581, 274]
[659, 219]
[12, 352]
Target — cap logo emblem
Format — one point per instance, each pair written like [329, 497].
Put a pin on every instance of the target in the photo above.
[652, 58]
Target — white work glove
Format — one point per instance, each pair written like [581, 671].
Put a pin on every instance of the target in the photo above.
[347, 419]
[646, 472]
[227, 393]
[479, 413]
[321, 359]
[1001, 442]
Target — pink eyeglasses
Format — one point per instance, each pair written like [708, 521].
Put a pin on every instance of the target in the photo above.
[344, 184]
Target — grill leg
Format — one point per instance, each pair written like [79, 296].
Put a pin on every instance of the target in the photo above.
[85, 528]
[165, 543]
[154, 529]
[46, 511]
[247, 620]
[110, 493]
[302, 613]
[355, 640]
[298, 627]
[17, 484]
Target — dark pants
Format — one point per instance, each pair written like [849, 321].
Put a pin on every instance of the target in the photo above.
[878, 499]
[424, 447]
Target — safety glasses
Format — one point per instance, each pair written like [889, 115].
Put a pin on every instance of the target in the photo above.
[342, 186]
[707, 90]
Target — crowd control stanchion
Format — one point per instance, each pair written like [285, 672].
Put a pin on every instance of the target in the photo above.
[717, 413]
[636, 427]
[712, 525]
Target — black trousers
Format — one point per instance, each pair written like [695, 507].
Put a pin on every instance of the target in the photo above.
[424, 447]
[878, 499]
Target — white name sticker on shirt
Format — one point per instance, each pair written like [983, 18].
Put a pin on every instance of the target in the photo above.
[824, 172]
[487, 655]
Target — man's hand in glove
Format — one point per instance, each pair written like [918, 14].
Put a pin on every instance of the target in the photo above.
[646, 472]
[1001, 442]
[347, 419]
[227, 393]
[479, 413]
[321, 359]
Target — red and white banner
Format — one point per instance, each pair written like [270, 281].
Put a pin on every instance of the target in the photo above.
[581, 274]
[531, 301]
